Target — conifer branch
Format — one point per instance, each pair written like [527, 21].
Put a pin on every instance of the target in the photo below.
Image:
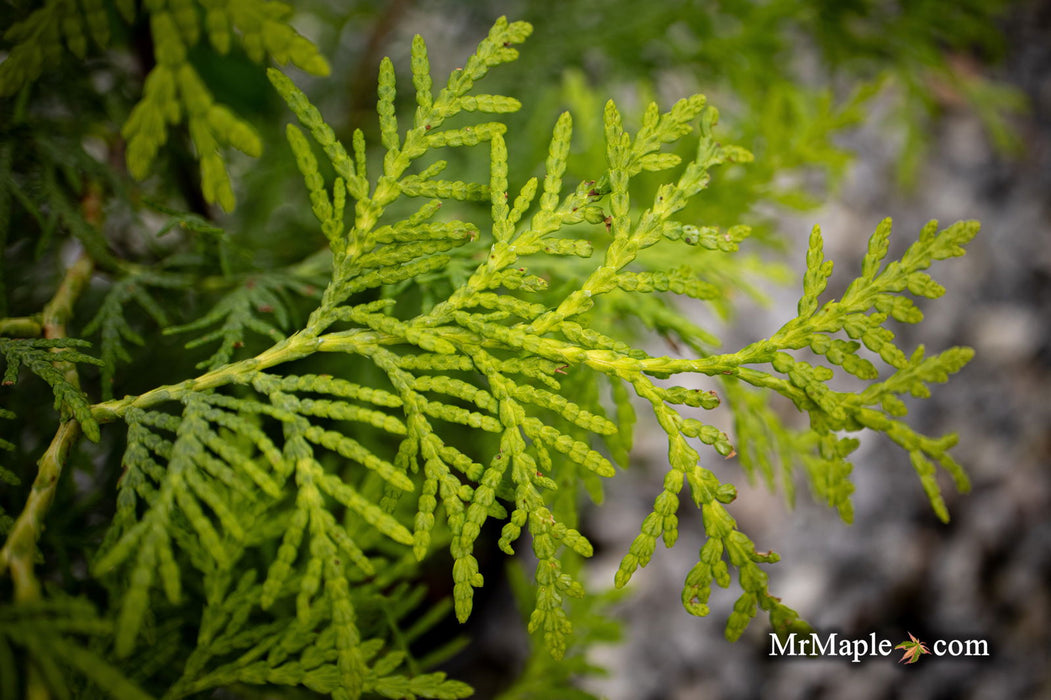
[20, 546]
[287, 503]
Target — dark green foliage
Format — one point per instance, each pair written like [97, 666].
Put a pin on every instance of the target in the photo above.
[7, 476]
[112, 325]
[465, 349]
[48, 359]
[174, 92]
[52, 634]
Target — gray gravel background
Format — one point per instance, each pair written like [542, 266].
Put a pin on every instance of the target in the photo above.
[897, 569]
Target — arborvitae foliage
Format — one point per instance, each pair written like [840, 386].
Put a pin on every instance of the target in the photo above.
[359, 412]
[174, 91]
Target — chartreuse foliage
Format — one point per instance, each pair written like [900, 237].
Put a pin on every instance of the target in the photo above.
[283, 500]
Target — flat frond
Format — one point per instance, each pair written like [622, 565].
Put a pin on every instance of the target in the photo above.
[44, 358]
[61, 637]
[174, 92]
[41, 39]
[111, 321]
[261, 304]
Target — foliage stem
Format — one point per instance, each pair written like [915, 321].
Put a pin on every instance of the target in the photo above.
[20, 547]
[299, 345]
[59, 310]
[21, 327]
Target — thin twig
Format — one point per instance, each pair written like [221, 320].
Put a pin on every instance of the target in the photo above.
[20, 548]
[21, 327]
